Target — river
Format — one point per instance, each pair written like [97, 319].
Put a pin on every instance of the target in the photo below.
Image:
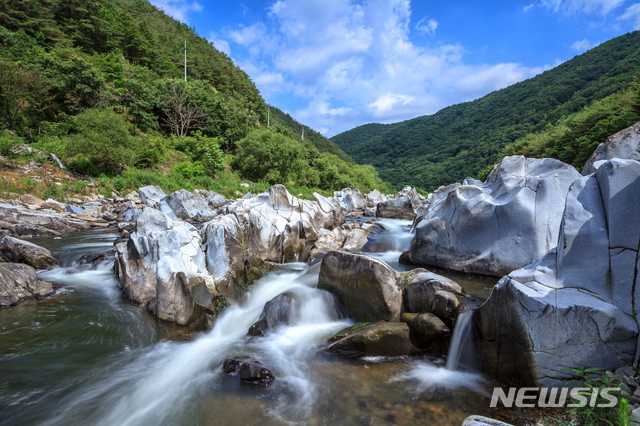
[87, 357]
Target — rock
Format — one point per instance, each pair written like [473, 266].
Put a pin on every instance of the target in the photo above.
[18, 217]
[188, 206]
[411, 194]
[271, 227]
[276, 312]
[366, 286]
[214, 199]
[424, 291]
[16, 250]
[374, 197]
[133, 196]
[91, 259]
[19, 230]
[18, 282]
[482, 421]
[162, 265]
[255, 373]
[350, 199]
[625, 145]
[74, 209]
[330, 240]
[426, 328]
[31, 200]
[511, 220]
[574, 307]
[375, 339]
[93, 208]
[356, 239]
[50, 203]
[397, 208]
[151, 195]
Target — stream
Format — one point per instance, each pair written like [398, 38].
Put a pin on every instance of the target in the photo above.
[87, 357]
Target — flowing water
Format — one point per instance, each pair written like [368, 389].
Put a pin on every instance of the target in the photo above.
[86, 356]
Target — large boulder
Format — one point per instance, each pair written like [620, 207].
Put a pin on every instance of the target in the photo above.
[151, 195]
[381, 338]
[507, 222]
[350, 199]
[272, 227]
[424, 291]
[19, 282]
[366, 286]
[625, 144]
[161, 265]
[189, 206]
[34, 220]
[16, 250]
[402, 206]
[426, 328]
[577, 306]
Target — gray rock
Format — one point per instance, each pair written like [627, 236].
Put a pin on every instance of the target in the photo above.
[397, 208]
[482, 421]
[214, 199]
[16, 250]
[350, 199]
[161, 265]
[374, 197]
[367, 287]
[625, 145]
[356, 239]
[255, 373]
[25, 218]
[150, 195]
[188, 206]
[74, 209]
[381, 338]
[574, 307]
[428, 292]
[94, 208]
[426, 327]
[18, 282]
[509, 221]
[276, 312]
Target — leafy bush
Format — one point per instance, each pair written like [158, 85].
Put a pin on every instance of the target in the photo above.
[8, 144]
[189, 170]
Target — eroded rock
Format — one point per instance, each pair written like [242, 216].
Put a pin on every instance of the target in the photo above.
[380, 338]
[18, 282]
[16, 250]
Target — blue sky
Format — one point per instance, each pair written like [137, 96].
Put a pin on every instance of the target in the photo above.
[337, 64]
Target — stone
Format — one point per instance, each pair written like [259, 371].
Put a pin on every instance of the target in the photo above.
[93, 208]
[16, 250]
[74, 209]
[575, 306]
[151, 195]
[91, 259]
[18, 282]
[31, 200]
[509, 221]
[214, 199]
[424, 291]
[482, 421]
[367, 287]
[380, 338]
[350, 199]
[255, 373]
[162, 265]
[356, 239]
[55, 222]
[330, 239]
[426, 328]
[397, 208]
[625, 145]
[133, 196]
[188, 206]
[276, 312]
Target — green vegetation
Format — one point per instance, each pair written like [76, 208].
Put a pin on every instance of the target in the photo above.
[100, 84]
[564, 112]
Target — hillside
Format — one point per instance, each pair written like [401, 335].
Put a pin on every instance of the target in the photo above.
[461, 140]
[100, 83]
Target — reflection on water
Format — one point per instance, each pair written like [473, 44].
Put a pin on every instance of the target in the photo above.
[86, 356]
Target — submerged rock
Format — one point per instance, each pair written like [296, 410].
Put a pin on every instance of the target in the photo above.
[251, 371]
[576, 306]
[18, 282]
[16, 250]
[380, 338]
[509, 221]
[367, 287]
[276, 312]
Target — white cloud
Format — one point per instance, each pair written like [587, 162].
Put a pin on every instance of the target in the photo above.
[427, 27]
[632, 13]
[583, 45]
[602, 7]
[529, 7]
[353, 63]
[178, 9]
[220, 44]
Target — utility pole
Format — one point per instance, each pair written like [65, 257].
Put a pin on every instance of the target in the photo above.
[303, 133]
[185, 60]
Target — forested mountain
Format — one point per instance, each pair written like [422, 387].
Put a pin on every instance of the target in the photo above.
[463, 140]
[101, 84]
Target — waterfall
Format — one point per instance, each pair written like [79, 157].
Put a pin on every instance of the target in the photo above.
[57, 160]
[461, 339]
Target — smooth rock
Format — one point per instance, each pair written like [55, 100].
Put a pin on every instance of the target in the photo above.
[380, 338]
[74, 209]
[356, 239]
[367, 287]
[574, 307]
[350, 199]
[425, 327]
[625, 145]
[482, 421]
[16, 250]
[151, 195]
[18, 282]
[511, 220]
[428, 292]
[188, 206]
